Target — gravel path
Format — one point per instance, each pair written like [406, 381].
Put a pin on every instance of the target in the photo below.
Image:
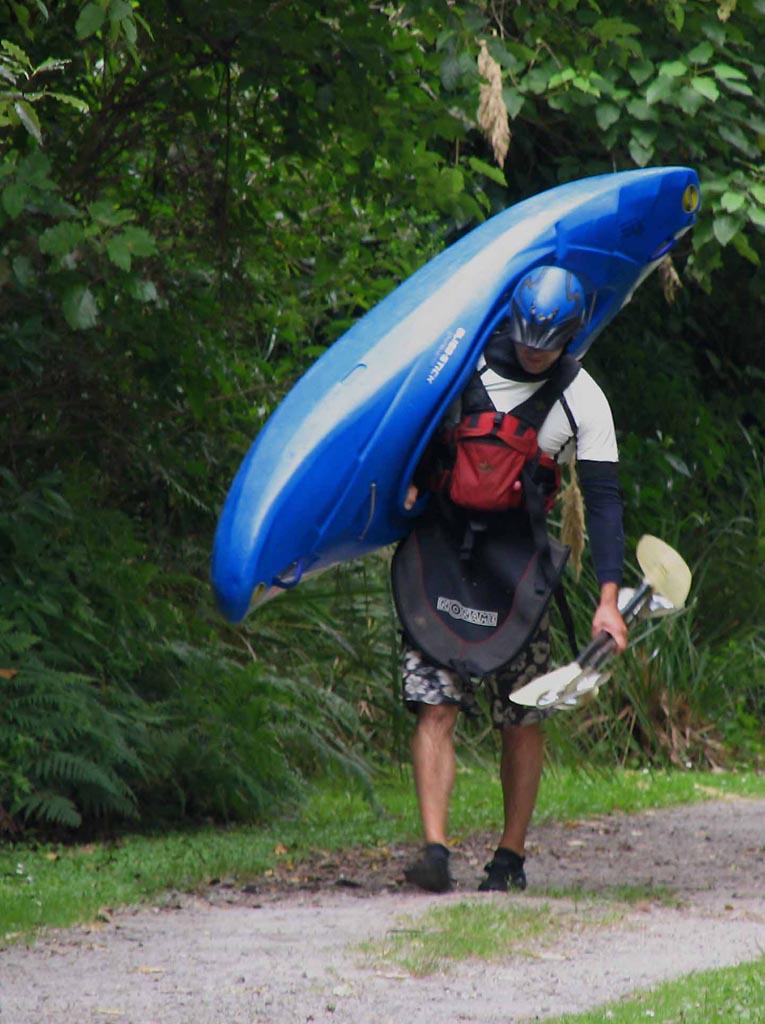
[285, 951]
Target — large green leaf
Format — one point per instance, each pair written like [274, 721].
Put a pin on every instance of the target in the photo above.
[61, 239]
[607, 29]
[701, 54]
[673, 68]
[488, 170]
[606, 115]
[659, 89]
[91, 20]
[140, 241]
[14, 198]
[707, 87]
[118, 251]
[732, 201]
[80, 308]
[725, 227]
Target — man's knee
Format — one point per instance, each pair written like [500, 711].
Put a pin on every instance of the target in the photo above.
[437, 718]
[529, 734]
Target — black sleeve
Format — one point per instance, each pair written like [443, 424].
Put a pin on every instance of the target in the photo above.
[603, 512]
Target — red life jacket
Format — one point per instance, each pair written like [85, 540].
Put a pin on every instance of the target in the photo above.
[495, 457]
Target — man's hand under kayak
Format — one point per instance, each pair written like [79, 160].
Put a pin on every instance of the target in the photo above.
[412, 494]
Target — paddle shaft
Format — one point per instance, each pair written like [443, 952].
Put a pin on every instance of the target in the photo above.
[589, 661]
[596, 652]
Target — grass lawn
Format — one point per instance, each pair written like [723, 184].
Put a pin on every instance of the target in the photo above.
[734, 995]
[59, 885]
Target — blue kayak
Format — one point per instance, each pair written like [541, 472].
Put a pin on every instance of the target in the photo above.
[325, 479]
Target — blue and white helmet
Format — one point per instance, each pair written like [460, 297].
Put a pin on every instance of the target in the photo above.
[546, 308]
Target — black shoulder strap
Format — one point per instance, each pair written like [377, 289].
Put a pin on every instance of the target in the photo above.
[535, 410]
[475, 397]
[569, 416]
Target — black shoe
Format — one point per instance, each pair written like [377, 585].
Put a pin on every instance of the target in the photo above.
[504, 872]
[431, 871]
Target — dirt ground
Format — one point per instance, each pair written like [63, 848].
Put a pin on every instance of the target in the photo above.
[285, 950]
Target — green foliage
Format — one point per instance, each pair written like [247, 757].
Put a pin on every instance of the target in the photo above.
[619, 91]
[22, 89]
[71, 740]
[63, 749]
[342, 630]
[247, 737]
[113, 702]
[194, 202]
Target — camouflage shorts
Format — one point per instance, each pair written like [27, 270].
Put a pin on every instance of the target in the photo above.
[425, 683]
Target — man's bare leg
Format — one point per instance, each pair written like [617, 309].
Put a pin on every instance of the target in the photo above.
[434, 772]
[520, 774]
[434, 764]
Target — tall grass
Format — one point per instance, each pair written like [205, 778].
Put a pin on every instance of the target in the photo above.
[682, 695]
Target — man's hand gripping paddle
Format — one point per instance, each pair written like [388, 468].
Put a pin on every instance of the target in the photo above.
[665, 586]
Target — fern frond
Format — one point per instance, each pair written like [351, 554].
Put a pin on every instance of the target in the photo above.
[51, 808]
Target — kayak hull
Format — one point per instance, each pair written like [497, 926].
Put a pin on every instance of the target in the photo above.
[325, 479]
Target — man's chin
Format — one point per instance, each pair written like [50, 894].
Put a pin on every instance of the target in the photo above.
[536, 365]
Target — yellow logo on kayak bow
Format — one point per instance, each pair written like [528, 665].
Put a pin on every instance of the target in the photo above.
[691, 199]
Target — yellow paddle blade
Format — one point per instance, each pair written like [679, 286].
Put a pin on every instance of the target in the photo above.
[664, 569]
